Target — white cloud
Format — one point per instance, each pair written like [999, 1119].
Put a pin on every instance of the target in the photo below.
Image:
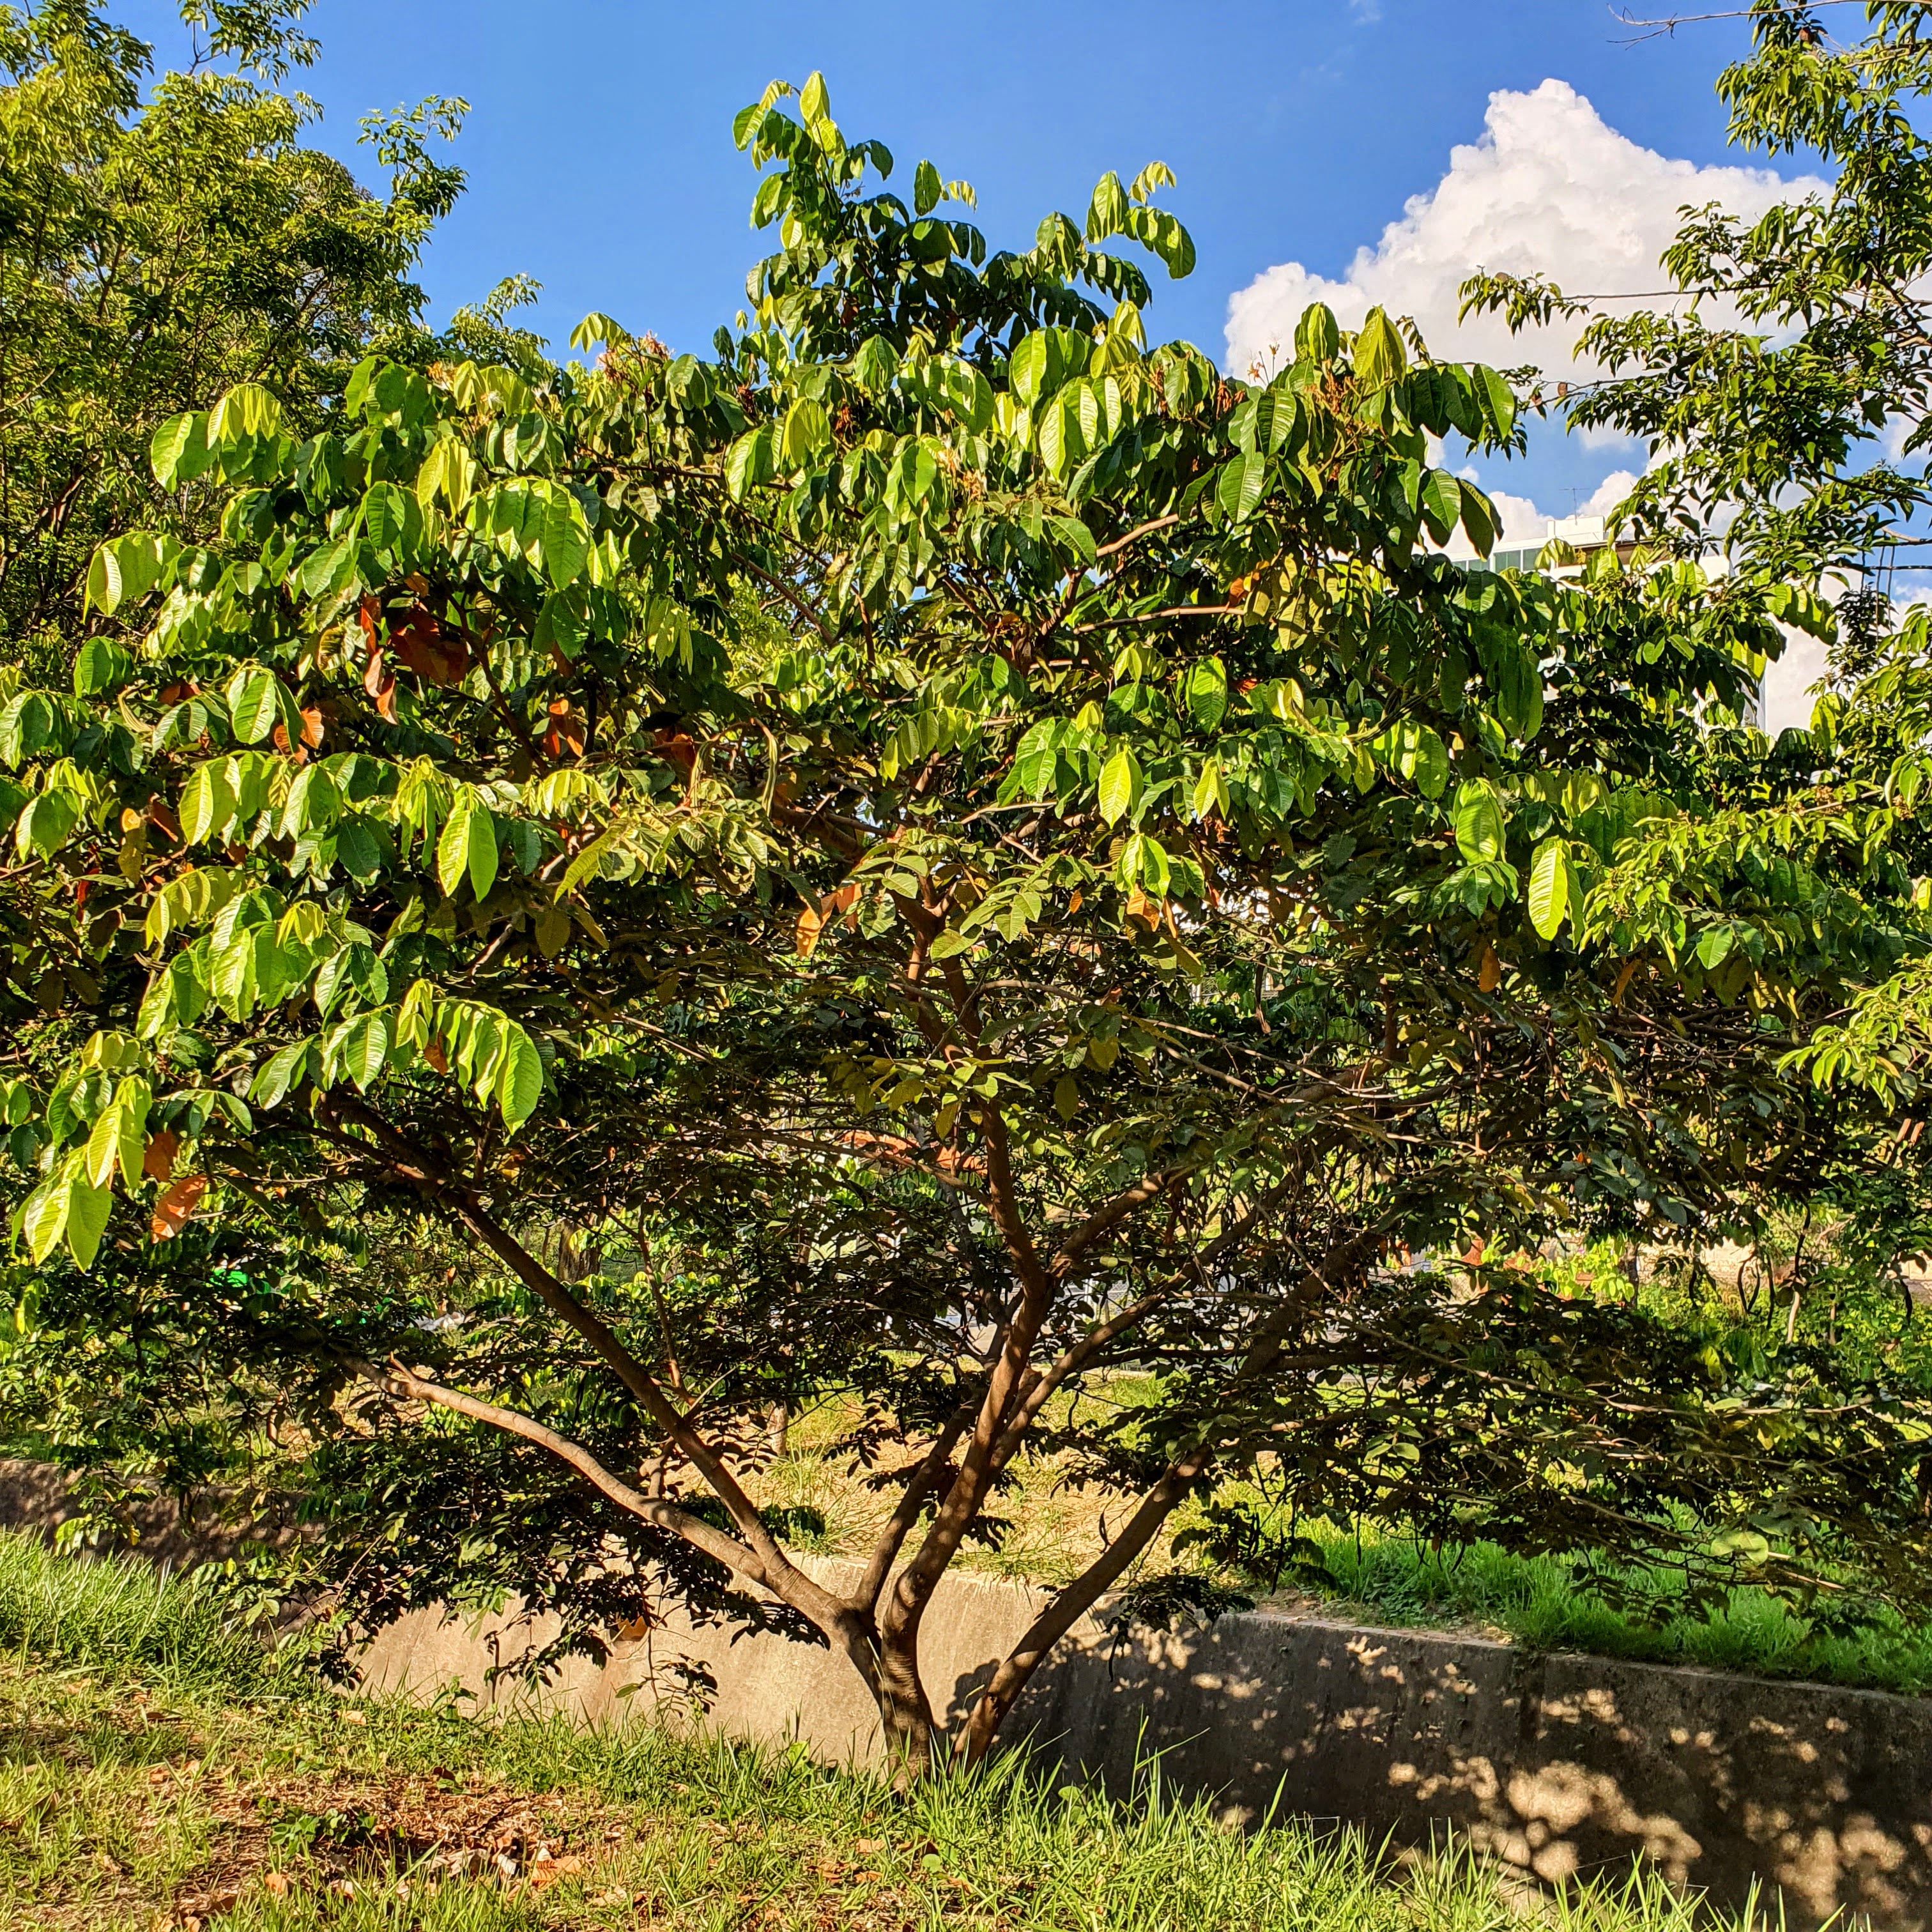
[1549, 188]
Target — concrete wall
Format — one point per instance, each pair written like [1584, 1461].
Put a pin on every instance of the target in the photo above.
[36, 1496]
[1558, 1765]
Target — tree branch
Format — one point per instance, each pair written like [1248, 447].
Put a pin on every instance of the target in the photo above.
[1073, 1602]
[400, 1384]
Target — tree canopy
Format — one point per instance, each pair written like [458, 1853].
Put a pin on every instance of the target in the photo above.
[943, 852]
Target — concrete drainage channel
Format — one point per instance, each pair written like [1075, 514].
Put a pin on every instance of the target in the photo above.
[1559, 1766]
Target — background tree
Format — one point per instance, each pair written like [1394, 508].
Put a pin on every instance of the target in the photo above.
[156, 247]
[1790, 443]
[958, 855]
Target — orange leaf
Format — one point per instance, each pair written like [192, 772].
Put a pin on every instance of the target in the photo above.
[1489, 974]
[806, 935]
[436, 1057]
[311, 718]
[158, 1162]
[678, 748]
[419, 642]
[1623, 979]
[564, 730]
[172, 1210]
[162, 819]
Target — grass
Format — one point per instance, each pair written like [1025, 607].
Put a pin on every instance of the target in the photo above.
[1540, 1603]
[154, 1773]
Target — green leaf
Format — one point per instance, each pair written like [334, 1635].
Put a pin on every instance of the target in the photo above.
[358, 850]
[86, 1219]
[1519, 685]
[1317, 336]
[452, 850]
[749, 462]
[566, 540]
[926, 188]
[1043, 361]
[969, 396]
[248, 413]
[1479, 820]
[520, 1082]
[330, 569]
[1550, 888]
[120, 1137]
[1380, 359]
[1479, 517]
[1208, 693]
[101, 664]
[480, 851]
[178, 449]
[1441, 504]
[232, 975]
[467, 849]
[47, 824]
[1211, 789]
[125, 569]
[1714, 947]
[385, 515]
[207, 801]
[1119, 783]
[1239, 488]
[873, 369]
[1499, 402]
[253, 705]
[807, 430]
[45, 1219]
[314, 802]
[365, 1049]
[281, 1071]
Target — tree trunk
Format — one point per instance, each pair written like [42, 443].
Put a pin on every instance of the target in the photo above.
[905, 1714]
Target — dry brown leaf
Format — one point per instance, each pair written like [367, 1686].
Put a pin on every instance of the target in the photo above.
[1489, 974]
[172, 1210]
[277, 1883]
[158, 1162]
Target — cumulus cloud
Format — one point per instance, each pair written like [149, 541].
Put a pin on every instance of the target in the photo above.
[1549, 188]
[1523, 520]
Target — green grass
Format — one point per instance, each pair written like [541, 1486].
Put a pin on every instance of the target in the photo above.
[175, 1631]
[154, 1772]
[1541, 1603]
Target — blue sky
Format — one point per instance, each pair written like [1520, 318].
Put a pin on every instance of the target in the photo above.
[600, 159]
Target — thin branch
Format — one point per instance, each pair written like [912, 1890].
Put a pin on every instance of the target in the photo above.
[899, 1524]
[400, 1385]
[1670, 25]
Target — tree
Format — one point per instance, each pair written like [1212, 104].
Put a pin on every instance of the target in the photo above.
[156, 249]
[982, 854]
